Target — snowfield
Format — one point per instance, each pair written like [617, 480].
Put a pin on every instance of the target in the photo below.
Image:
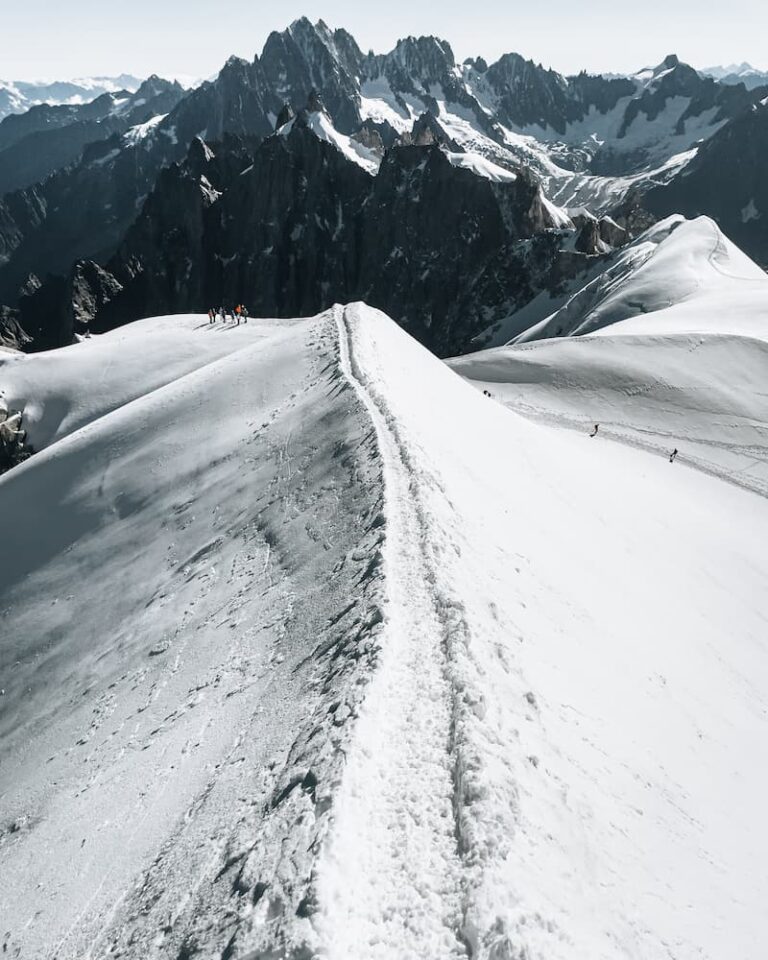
[309, 649]
[665, 347]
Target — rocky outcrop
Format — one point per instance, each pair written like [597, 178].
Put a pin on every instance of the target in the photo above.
[13, 446]
[12, 334]
[295, 226]
[726, 181]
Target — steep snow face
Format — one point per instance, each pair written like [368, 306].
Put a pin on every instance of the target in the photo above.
[313, 650]
[678, 277]
[320, 124]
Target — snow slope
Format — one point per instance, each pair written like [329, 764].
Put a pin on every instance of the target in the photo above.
[678, 277]
[335, 657]
[666, 346]
[182, 565]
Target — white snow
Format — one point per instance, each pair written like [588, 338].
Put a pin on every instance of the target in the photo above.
[379, 103]
[678, 277]
[602, 616]
[320, 124]
[675, 353]
[311, 649]
[143, 130]
[480, 166]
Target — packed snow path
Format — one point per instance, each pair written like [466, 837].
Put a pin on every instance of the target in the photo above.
[310, 650]
[393, 875]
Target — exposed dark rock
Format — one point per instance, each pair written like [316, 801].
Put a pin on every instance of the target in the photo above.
[12, 334]
[285, 116]
[13, 451]
[428, 131]
[726, 181]
[298, 227]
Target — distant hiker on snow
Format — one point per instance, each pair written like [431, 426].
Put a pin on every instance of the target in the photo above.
[237, 313]
[211, 316]
[594, 432]
[673, 455]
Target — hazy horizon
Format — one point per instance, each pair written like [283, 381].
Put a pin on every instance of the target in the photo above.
[180, 41]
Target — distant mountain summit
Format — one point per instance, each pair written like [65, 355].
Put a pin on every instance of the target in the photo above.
[17, 96]
[744, 73]
[183, 197]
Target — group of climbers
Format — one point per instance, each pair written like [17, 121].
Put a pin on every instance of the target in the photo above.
[238, 313]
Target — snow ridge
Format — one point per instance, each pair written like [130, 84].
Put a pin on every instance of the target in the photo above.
[390, 881]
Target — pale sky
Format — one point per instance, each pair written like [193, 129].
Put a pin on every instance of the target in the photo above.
[190, 38]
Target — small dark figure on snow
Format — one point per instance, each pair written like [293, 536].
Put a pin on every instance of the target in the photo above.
[486, 393]
[244, 314]
[673, 455]
[594, 432]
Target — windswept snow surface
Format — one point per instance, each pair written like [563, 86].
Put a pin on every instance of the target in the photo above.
[666, 347]
[680, 276]
[600, 617]
[315, 651]
[188, 600]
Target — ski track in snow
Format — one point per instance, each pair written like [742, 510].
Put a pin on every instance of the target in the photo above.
[391, 875]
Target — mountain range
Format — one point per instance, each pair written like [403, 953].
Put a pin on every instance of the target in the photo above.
[317, 172]
[18, 96]
[738, 73]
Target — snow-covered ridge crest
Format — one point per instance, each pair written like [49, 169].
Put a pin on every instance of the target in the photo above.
[679, 276]
[313, 650]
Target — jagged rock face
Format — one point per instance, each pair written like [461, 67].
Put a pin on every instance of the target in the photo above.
[528, 94]
[441, 252]
[420, 66]
[92, 209]
[297, 227]
[90, 289]
[81, 212]
[727, 181]
[52, 313]
[239, 101]
[308, 58]
[427, 131]
[12, 334]
[416, 64]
